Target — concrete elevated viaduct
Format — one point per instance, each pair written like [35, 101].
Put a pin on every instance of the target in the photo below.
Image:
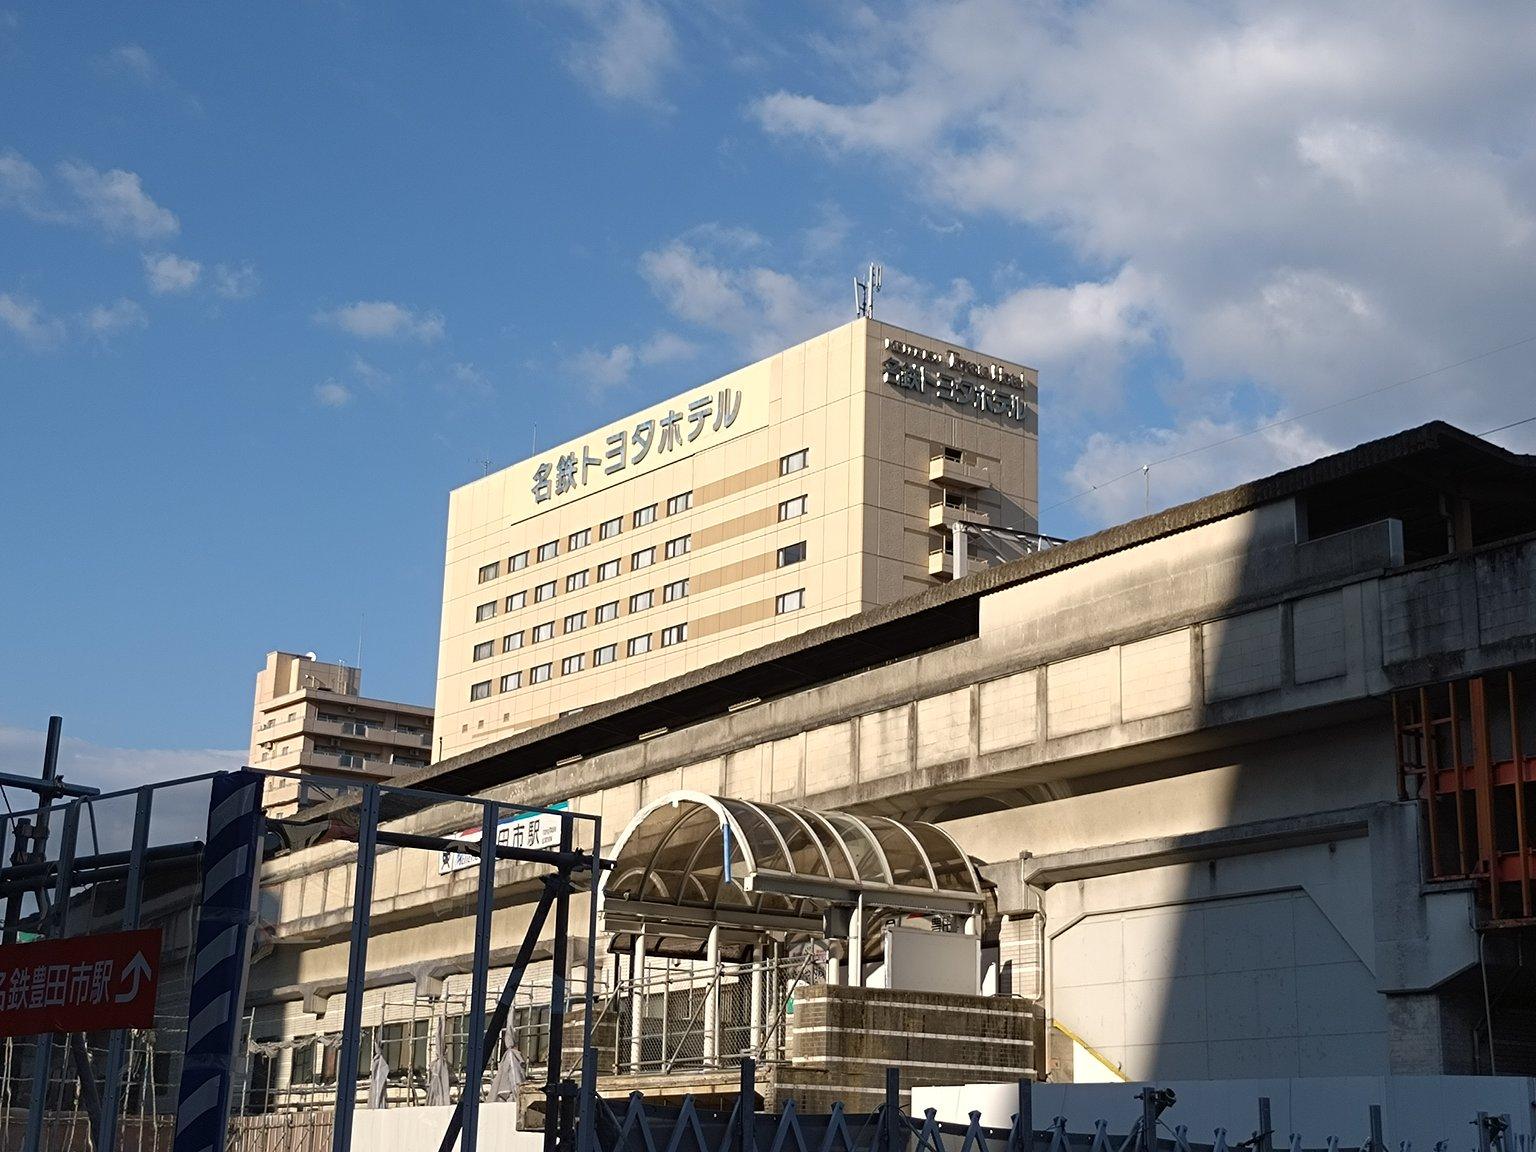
[1183, 752]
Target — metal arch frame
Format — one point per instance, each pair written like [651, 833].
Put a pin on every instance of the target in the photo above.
[633, 913]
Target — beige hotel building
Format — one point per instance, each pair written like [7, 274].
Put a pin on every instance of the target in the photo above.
[804, 488]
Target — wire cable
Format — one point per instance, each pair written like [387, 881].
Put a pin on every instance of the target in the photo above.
[1504, 427]
[1299, 416]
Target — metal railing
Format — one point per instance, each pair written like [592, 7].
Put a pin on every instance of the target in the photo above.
[685, 1015]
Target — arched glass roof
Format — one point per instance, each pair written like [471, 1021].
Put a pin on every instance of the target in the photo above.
[693, 859]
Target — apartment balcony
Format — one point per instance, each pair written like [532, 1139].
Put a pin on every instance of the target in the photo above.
[943, 515]
[949, 473]
[375, 734]
[349, 762]
[275, 729]
[942, 564]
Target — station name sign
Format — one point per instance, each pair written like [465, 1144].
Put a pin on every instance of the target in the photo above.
[524, 830]
[952, 377]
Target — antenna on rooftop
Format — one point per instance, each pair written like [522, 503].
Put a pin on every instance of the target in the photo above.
[864, 292]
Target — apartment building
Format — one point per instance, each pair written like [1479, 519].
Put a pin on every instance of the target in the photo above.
[813, 485]
[311, 716]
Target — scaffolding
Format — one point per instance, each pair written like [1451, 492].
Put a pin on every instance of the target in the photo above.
[184, 857]
[1463, 755]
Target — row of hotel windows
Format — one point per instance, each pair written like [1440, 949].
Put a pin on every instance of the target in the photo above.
[644, 558]
[603, 613]
[608, 653]
[608, 529]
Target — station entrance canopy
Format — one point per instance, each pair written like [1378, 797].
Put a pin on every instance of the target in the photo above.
[690, 863]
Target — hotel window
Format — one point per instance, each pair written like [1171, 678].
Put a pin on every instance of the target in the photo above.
[575, 622]
[539, 673]
[608, 570]
[480, 691]
[511, 680]
[674, 635]
[608, 529]
[578, 539]
[512, 641]
[679, 503]
[517, 600]
[644, 516]
[518, 562]
[679, 547]
[485, 649]
[577, 579]
[549, 551]
[640, 645]
[543, 632]
[544, 591]
[674, 591]
[607, 654]
[791, 554]
[489, 572]
[572, 663]
[794, 462]
[607, 612]
[789, 602]
[642, 559]
[485, 611]
[640, 601]
[789, 509]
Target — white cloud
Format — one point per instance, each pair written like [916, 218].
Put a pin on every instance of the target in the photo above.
[463, 379]
[136, 64]
[236, 281]
[27, 320]
[135, 61]
[116, 201]
[627, 50]
[825, 239]
[1078, 335]
[600, 370]
[1281, 206]
[332, 393]
[108, 320]
[166, 272]
[1242, 449]
[180, 814]
[761, 307]
[23, 187]
[667, 348]
[383, 320]
[370, 373]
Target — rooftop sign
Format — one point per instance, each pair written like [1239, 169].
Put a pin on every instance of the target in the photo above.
[668, 432]
[986, 387]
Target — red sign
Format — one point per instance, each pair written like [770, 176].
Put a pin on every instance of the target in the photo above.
[80, 983]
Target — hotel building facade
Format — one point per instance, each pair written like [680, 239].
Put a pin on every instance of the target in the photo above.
[807, 487]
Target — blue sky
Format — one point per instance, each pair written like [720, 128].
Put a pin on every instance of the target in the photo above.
[273, 279]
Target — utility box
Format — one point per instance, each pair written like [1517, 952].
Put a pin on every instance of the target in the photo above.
[917, 960]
